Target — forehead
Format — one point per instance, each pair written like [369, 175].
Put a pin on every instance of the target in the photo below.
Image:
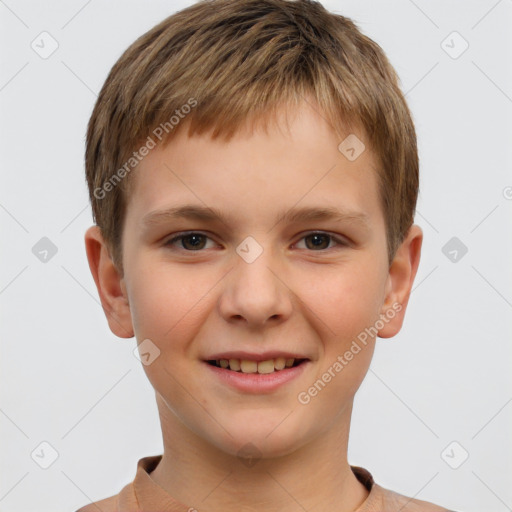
[299, 160]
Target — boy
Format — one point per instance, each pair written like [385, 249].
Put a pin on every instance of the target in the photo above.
[253, 173]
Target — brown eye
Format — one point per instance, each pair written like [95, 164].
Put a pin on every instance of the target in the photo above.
[321, 241]
[189, 241]
[318, 241]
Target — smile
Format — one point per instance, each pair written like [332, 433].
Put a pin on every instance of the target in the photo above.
[251, 366]
[256, 373]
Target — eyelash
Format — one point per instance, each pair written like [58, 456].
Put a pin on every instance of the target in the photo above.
[181, 236]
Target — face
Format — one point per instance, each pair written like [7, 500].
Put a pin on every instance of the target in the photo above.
[263, 252]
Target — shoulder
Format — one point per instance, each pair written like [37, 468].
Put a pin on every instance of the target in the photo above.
[413, 505]
[396, 501]
[126, 500]
[381, 499]
[106, 505]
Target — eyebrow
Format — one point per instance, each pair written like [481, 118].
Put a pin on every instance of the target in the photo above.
[208, 214]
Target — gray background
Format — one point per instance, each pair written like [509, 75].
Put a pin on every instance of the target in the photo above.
[68, 381]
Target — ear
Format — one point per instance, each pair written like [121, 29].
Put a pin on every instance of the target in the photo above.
[110, 284]
[402, 272]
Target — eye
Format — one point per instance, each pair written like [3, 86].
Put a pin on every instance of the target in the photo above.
[189, 241]
[195, 241]
[319, 240]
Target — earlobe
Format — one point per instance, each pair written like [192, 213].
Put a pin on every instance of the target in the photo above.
[402, 272]
[111, 286]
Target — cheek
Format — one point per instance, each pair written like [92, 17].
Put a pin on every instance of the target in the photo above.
[168, 306]
[346, 306]
[344, 299]
[150, 310]
[169, 309]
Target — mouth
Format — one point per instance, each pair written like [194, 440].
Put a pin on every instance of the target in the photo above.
[267, 366]
[251, 373]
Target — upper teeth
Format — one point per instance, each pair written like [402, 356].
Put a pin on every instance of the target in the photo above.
[247, 366]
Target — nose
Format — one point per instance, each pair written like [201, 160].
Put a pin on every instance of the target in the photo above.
[256, 293]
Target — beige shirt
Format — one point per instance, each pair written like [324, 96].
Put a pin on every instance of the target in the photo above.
[145, 495]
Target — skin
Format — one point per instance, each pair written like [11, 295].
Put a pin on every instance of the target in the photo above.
[294, 297]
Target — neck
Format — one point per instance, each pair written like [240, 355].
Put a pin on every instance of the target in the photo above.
[314, 477]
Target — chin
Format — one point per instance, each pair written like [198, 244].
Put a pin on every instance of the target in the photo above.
[262, 438]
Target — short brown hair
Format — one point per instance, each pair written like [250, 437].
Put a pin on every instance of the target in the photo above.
[239, 60]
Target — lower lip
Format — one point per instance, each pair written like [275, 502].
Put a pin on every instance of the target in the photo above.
[258, 382]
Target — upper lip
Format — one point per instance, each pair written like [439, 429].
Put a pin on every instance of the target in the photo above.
[252, 356]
